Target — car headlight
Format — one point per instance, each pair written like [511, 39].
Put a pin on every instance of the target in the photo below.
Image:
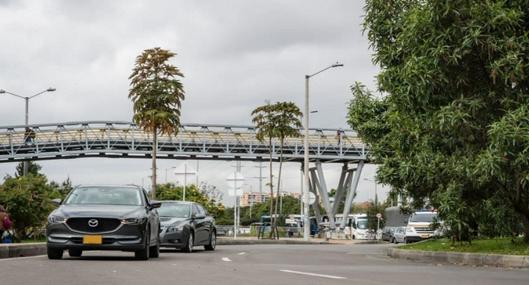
[56, 219]
[132, 221]
[175, 228]
[410, 230]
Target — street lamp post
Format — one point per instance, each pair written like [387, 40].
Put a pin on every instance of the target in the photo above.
[376, 195]
[306, 223]
[26, 121]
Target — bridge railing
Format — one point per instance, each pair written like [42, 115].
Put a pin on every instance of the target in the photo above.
[124, 137]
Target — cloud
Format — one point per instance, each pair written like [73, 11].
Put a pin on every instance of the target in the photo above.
[235, 55]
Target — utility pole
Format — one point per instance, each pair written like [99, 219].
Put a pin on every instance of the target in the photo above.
[260, 177]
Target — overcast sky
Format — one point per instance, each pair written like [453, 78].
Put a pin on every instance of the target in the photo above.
[235, 55]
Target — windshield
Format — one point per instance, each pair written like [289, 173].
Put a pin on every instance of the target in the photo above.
[175, 210]
[361, 224]
[125, 196]
[422, 217]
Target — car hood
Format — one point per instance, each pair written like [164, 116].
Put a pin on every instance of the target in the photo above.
[166, 221]
[101, 211]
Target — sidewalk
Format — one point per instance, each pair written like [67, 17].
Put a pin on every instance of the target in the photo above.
[254, 240]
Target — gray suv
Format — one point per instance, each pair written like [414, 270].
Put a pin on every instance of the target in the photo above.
[104, 218]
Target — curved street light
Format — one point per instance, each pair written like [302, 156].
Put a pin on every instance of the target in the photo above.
[306, 219]
[26, 121]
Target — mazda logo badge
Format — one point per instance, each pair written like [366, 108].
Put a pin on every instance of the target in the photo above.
[93, 223]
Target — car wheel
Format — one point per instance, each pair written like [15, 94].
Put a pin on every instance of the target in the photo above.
[212, 242]
[75, 252]
[188, 247]
[392, 240]
[143, 254]
[155, 250]
[405, 240]
[55, 253]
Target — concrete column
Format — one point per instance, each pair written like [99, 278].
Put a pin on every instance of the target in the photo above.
[352, 193]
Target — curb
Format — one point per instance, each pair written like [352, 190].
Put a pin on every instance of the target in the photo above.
[229, 241]
[39, 248]
[22, 249]
[464, 258]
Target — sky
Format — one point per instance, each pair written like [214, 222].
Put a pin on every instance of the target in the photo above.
[235, 55]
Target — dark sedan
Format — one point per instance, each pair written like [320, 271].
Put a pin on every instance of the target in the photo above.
[104, 218]
[185, 225]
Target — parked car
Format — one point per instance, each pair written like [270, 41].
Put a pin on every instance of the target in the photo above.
[104, 218]
[399, 235]
[185, 225]
[387, 233]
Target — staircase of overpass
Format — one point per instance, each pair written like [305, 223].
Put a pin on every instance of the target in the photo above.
[194, 141]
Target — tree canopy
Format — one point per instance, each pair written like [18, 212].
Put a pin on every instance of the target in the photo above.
[157, 95]
[451, 126]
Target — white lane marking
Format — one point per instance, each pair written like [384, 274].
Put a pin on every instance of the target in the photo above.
[20, 258]
[226, 259]
[313, 274]
[242, 253]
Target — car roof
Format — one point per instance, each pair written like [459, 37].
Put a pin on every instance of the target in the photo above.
[109, 185]
[176, 202]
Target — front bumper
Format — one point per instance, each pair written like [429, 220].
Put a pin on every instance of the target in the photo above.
[173, 239]
[125, 238]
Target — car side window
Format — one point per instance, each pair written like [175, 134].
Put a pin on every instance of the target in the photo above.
[202, 210]
[195, 210]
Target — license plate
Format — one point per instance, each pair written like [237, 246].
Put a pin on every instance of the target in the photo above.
[425, 236]
[93, 239]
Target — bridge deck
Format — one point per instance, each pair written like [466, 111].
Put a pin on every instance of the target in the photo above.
[194, 141]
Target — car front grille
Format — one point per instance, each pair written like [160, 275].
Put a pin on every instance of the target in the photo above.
[84, 224]
[423, 229]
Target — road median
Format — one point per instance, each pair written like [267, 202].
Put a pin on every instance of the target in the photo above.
[463, 258]
[22, 249]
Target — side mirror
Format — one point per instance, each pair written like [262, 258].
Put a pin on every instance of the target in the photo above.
[155, 205]
[56, 202]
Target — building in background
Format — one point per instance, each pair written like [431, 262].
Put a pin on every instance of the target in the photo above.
[250, 198]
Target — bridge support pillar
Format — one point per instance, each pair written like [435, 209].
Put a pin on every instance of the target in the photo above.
[321, 185]
[351, 193]
[315, 205]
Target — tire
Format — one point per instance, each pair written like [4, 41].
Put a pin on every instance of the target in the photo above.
[212, 242]
[75, 252]
[188, 246]
[405, 240]
[155, 250]
[392, 240]
[143, 254]
[55, 253]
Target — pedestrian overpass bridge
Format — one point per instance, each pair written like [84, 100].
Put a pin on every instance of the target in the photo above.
[194, 141]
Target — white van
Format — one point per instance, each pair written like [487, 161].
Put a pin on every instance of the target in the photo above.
[420, 225]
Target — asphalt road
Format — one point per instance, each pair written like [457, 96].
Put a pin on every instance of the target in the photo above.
[251, 264]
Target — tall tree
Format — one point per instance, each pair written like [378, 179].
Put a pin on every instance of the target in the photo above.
[452, 128]
[288, 123]
[264, 120]
[157, 94]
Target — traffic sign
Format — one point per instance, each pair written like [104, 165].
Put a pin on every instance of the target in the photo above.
[312, 198]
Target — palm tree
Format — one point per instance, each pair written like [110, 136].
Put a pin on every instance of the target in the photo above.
[288, 122]
[157, 95]
[263, 118]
